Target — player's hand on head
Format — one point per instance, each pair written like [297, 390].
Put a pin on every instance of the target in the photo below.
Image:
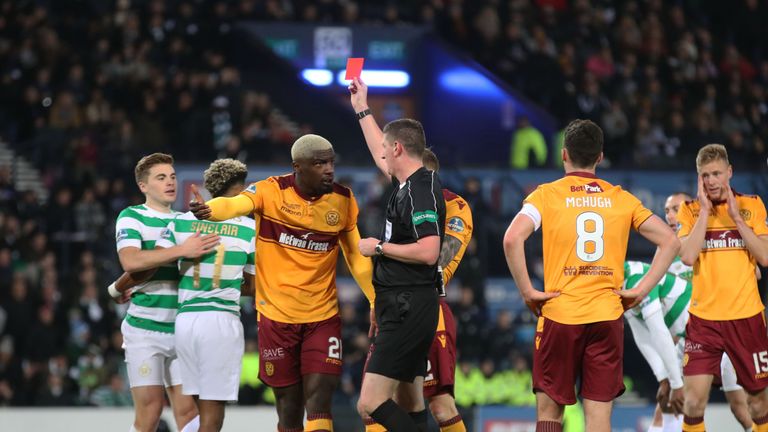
[197, 205]
[358, 94]
[197, 245]
[733, 205]
[535, 300]
[701, 194]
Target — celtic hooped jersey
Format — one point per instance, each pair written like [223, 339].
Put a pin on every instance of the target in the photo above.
[671, 296]
[212, 282]
[153, 303]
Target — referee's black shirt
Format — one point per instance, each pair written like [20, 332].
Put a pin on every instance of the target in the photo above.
[415, 210]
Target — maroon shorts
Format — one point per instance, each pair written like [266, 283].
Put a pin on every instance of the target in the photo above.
[745, 340]
[594, 352]
[441, 362]
[289, 351]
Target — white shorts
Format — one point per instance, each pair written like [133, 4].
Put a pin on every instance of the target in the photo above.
[210, 347]
[150, 357]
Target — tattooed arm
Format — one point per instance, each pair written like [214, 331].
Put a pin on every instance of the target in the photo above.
[450, 255]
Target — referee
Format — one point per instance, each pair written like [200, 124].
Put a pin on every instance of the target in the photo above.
[405, 273]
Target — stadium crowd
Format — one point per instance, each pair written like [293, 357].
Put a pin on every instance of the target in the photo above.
[88, 87]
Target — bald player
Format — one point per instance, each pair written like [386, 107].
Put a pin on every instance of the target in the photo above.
[302, 219]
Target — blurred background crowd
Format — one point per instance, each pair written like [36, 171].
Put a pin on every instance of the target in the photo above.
[88, 86]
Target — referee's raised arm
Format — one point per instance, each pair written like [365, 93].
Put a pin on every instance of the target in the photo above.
[373, 135]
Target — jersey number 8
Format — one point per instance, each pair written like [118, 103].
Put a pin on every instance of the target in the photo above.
[589, 244]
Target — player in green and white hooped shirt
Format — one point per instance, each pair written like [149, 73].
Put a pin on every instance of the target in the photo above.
[148, 327]
[209, 335]
[656, 323]
[737, 398]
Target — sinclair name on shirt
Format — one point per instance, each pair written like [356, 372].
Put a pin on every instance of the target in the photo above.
[303, 242]
[588, 201]
[214, 228]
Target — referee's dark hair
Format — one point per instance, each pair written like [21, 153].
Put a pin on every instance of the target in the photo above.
[584, 143]
[409, 133]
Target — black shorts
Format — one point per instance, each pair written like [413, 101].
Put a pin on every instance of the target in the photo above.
[407, 319]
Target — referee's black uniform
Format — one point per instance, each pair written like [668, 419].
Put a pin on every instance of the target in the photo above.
[406, 294]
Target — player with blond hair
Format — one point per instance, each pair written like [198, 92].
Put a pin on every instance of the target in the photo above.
[302, 220]
[724, 236]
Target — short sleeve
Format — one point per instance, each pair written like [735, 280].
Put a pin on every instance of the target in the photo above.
[458, 226]
[685, 220]
[167, 237]
[536, 199]
[255, 192]
[640, 214]
[423, 215]
[127, 230]
[760, 220]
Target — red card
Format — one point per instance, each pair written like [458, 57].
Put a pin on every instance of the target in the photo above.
[354, 67]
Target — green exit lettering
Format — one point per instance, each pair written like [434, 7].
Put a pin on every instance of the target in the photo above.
[286, 48]
[386, 50]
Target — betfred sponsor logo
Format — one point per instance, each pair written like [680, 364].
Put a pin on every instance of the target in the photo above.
[589, 188]
[723, 239]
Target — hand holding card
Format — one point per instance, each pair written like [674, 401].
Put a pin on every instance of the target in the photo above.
[354, 67]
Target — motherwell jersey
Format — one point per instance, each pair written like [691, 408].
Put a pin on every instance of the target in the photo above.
[297, 248]
[458, 224]
[724, 281]
[585, 223]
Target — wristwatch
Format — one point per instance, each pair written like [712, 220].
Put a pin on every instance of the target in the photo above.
[380, 248]
[361, 115]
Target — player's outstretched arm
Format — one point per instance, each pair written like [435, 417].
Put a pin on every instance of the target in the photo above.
[360, 266]
[374, 136]
[514, 250]
[221, 208]
[660, 234]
